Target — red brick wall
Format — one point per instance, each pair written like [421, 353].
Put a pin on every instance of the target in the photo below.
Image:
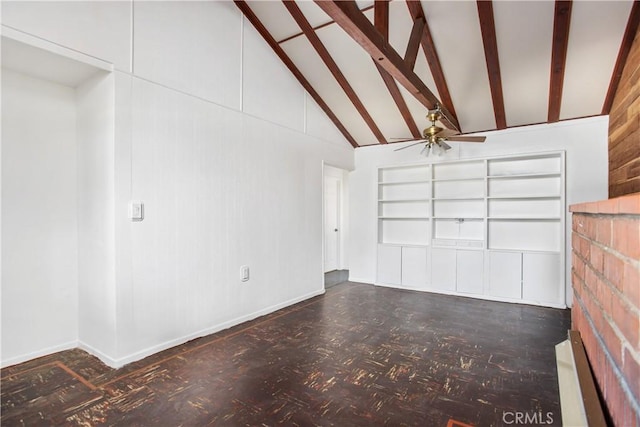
[606, 306]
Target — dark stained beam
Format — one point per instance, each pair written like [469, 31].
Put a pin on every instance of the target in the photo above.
[381, 17]
[627, 40]
[352, 20]
[248, 13]
[328, 60]
[317, 27]
[399, 100]
[561, 23]
[430, 52]
[488, 28]
[411, 54]
[381, 22]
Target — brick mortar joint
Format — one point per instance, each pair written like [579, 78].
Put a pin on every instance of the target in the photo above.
[611, 216]
[635, 355]
[605, 315]
[609, 358]
[614, 289]
[626, 259]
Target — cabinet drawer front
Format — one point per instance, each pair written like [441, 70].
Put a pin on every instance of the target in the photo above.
[505, 274]
[542, 278]
[470, 271]
[389, 264]
[414, 267]
[443, 269]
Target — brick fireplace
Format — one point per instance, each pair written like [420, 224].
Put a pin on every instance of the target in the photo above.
[606, 306]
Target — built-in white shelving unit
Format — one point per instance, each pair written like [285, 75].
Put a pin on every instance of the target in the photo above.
[491, 228]
[404, 205]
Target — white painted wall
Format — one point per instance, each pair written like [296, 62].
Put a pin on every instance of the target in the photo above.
[221, 189]
[585, 142]
[39, 220]
[101, 29]
[192, 46]
[96, 228]
[224, 148]
[262, 91]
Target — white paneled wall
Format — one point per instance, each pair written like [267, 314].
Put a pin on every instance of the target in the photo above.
[192, 46]
[262, 92]
[221, 189]
[212, 133]
[101, 29]
[39, 235]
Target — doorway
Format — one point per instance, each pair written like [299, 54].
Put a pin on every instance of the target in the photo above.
[334, 206]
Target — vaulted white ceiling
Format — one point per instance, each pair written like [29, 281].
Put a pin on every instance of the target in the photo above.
[587, 46]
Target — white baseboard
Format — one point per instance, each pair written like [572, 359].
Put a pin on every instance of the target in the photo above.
[360, 280]
[38, 353]
[474, 296]
[106, 359]
[117, 363]
[406, 288]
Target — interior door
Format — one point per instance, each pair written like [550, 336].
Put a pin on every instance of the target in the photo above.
[332, 188]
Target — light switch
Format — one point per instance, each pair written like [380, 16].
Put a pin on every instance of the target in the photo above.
[136, 210]
[244, 273]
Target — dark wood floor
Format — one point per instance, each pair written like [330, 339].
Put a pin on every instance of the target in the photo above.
[357, 356]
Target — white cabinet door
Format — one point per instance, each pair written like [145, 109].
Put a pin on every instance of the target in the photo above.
[414, 266]
[443, 269]
[541, 278]
[470, 268]
[505, 274]
[389, 264]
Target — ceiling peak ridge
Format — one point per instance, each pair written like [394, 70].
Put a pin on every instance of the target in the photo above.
[358, 27]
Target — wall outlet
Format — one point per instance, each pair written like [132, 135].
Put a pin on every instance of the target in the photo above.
[244, 273]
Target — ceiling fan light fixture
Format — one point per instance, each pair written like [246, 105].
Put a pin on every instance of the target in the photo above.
[437, 149]
[435, 137]
[433, 149]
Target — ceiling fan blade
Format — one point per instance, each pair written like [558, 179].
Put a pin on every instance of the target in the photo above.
[463, 138]
[444, 145]
[396, 140]
[446, 133]
[410, 145]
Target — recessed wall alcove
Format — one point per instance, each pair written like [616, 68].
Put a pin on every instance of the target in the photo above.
[57, 157]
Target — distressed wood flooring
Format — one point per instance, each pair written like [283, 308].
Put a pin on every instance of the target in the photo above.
[357, 356]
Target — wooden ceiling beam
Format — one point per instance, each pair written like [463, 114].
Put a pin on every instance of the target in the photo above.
[381, 22]
[262, 30]
[625, 47]
[328, 60]
[352, 20]
[561, 24]
[431, 54]
[318, 27]
[411, 54]
[488, 29]
[381, 17]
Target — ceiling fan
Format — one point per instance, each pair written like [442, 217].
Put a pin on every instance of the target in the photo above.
[435, 137]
